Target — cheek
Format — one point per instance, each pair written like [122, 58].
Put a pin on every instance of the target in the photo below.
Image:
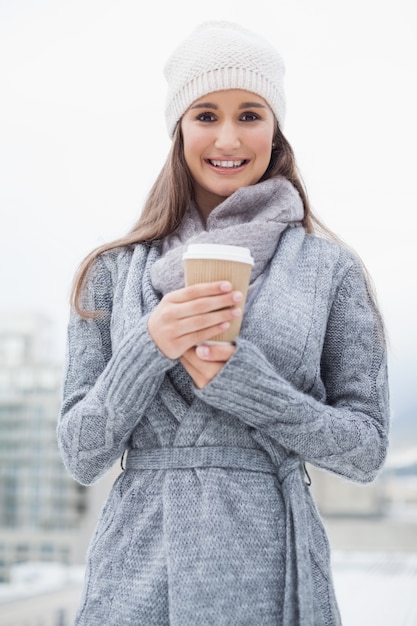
[194, 142]
[259, 140]
[192, 149]
[186, 140]
[263, 146]
[263, 157]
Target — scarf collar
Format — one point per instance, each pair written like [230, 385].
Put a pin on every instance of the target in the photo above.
[253, 217]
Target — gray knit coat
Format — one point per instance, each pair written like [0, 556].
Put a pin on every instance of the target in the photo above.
[213, 523]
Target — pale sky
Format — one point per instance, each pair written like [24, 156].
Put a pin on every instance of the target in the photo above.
[82, 134]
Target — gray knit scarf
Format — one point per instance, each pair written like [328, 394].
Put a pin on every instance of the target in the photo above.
[254, 217]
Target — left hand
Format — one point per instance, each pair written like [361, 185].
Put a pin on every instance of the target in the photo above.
[205, 361]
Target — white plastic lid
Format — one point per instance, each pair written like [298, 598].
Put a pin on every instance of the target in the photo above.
[218, 251]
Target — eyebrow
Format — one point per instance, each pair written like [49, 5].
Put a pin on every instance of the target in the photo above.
[252, 105]
[243, 105]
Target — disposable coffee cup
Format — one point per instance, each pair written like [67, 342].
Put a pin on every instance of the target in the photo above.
[207, 262]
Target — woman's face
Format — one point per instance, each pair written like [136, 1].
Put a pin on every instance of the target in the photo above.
[227, 143]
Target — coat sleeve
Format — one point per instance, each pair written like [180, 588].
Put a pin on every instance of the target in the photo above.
[105, 393]
[347, 433]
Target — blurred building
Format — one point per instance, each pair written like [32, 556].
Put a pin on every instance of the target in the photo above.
[340, 498]
[41, 507]
[379, 516]
[41, 594]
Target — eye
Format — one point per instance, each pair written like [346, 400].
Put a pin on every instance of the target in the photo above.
[206, 117]
[249, 117]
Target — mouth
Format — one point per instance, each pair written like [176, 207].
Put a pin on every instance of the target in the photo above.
[229, 165]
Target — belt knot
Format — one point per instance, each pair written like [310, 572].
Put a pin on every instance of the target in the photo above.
[287, 467]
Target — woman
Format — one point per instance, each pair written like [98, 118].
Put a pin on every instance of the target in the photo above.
[212, 521]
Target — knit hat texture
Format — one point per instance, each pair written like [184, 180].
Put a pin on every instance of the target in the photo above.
[223, 55]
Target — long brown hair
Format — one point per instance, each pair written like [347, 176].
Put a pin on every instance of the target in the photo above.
[172, 193]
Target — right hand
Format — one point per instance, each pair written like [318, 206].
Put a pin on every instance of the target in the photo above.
[204, 362]
[189, 316]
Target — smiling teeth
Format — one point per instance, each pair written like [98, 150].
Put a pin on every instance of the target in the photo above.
[227, 163]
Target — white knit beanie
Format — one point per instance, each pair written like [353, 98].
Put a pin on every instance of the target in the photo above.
[222, 55]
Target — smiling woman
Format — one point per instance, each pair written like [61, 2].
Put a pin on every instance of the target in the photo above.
[227, 144]
[212, 521]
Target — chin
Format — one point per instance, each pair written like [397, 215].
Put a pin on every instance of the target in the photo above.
[225, 192]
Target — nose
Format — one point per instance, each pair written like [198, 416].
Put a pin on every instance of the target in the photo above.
[227, 138]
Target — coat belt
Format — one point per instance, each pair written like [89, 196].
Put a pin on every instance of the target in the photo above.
[232, 457]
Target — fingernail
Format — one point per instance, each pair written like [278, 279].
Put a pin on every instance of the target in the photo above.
[225, 286]
[224, 325]
[203, 351]
[236, 312]
[237, 296]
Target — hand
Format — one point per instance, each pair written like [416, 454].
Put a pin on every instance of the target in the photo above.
[205, 362]
[190, 316]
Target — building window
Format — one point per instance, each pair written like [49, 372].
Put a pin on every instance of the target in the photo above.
[22, 553]
[47, 552]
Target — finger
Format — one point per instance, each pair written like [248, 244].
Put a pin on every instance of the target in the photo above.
[192, 339]
[201, 373]
[206, 321]
[200, 290]
[202, 306]
[215, 352]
